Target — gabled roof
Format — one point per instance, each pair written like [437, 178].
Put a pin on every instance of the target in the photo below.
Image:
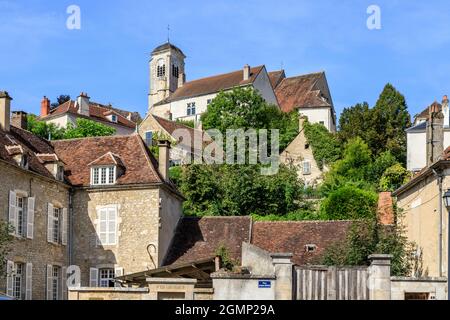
[276, 77]
[28, 144]
[140, 166]
[107, 159]
[47, 158]
[302, 92]
[97, 111]
[167, 46]
[213, 84]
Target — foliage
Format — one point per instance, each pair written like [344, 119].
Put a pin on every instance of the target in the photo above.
[225, 259]
[367, 237]
[187, 123]
[60, 100]
[325, 145]
[87, 128]
[175, 174]
[84, 128]
[239, 190]
[394, 177]
[245, 108]
[5, 240]
[381, 163]
[382, 127]
[349, 203]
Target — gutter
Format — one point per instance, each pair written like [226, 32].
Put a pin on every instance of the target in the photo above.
[440, 178]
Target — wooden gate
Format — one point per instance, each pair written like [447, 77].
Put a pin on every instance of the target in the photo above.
[331, 283]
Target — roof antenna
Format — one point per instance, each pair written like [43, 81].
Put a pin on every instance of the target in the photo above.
[168, 33]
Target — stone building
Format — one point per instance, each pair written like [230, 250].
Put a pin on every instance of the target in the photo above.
[103, 204]
[124, 122]
[172, 97]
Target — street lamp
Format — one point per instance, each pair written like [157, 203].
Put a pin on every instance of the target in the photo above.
[447, 204]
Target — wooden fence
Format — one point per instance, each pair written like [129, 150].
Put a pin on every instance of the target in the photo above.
[331, 283]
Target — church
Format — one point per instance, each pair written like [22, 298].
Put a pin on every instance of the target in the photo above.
[172, 97]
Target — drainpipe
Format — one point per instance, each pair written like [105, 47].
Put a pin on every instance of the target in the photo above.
[440, 178]
[71, 228]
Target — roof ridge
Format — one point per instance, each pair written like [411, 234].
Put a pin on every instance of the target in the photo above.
[222, 74]
[93, 138]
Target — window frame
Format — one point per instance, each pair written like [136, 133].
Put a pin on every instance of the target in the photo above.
[56, 275]
[108, 280]
[191, 109]
[56, 220]
[18, 278]
[22, 218]
[110, 174]
[306, 165]
[146, 138]
[107, 233]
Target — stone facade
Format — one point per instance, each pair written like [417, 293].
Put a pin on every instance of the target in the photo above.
[37, 251]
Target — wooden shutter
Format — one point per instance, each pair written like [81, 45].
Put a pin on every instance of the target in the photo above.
[30, 218]
[63, 283]
[13, 211]
[64, 225]
[50, 214]
[29, 282]
[93, 278]
[49, 282]
[118, 272]
[9, 278]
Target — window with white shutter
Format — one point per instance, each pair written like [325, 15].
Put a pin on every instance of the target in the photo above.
[29, 282]
[118, 272]
[63, 283]
[12, 219]
[93, 277]
[49, 282]
[10, 278]
[30, 218]
[64, 226]
[50, 218]
[107, 226]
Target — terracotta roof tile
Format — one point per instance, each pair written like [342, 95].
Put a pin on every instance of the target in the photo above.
[293, 237]
[213, 84]
[300, 92]
[140, 166]
[199, 238]
[276, 77]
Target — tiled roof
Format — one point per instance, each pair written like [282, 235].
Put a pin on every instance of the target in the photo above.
[98, 112]
[199, 238]
[29, 144]
[276, 77]
[425, 114]
[140, 166]
[293, 237]
[107, 159]
[213, 84]
[167, 46]
[301, 92]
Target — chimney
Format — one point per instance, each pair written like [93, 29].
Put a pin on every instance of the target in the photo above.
[5, 109]
[19, 119]
[385, 210]
[83, 104]
[435, 134]
[246, 72]
[164, 157]
[45, 107]
[181, 80]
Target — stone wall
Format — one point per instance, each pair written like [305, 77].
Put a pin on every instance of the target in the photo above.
[432, 288]
[108, 294]
[37, 250]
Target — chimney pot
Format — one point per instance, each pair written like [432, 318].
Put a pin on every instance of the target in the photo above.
[83, 104]
[19, 119]
[45, 107]
[5, 109]
[246, 72]
[164, 158]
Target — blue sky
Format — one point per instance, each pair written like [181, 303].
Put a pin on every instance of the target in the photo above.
[108, 57]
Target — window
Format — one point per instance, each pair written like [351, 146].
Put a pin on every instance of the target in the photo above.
[306, 167]
[114, 118]
[21, 216]
[24, 161]
[103, 175]
[18, 281]
[322, 123]
[106, 278]
[107, 226]
[310, 248]
[161, 69]
[55, 282]
[175, 71]
[306, 146]
[149, 138]
[208, 102]
[60, 173]
[57, 214]
[191, 109]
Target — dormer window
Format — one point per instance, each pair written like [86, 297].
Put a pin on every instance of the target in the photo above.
[24, 161]
[114, 118]
[103, 175]
[60, 173]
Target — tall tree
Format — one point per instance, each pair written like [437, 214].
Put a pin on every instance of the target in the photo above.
[353, 122]
[60, 100]
[389, 120]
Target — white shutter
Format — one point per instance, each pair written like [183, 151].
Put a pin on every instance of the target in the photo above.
[64, 225]
[29, 282]
[118, 272]
[9, 278]
[49, 282]
[64, 283]
[12, 211]
[50, 214]
[30, 218]
[93, 278]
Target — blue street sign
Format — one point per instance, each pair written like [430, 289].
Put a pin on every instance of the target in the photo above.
[264, 284]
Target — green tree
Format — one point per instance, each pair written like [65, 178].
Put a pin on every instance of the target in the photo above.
[353, 122]
[389, 120]
[325, 146]
[44, 130]
[87, 128]
[394, 177]
[60, 100]
[5, 240]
